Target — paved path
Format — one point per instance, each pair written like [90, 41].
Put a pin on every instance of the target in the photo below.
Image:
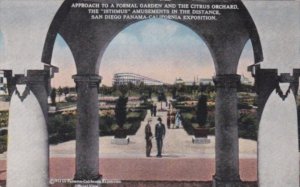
[4, 106]
[147, 169]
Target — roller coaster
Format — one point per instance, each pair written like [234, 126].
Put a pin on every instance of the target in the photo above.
[136, 79]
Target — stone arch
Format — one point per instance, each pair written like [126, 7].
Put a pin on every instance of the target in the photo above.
[2, 45]
[242, 29]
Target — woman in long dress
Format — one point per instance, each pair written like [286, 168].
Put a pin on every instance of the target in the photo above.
[178, 119]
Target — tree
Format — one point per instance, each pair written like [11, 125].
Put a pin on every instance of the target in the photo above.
[123, 89]
[161, 97]
[150, 92]
[201, 112]
[174, 92]
[120, 111]
[59, 92]
[53, 97]
[66, 91]
[131, 87]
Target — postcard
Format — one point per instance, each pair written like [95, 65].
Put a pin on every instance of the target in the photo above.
[149, 93]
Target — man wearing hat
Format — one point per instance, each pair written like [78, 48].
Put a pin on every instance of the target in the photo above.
[148, 137]
[160, 131]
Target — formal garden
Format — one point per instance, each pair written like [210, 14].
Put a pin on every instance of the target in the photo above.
[121, 117]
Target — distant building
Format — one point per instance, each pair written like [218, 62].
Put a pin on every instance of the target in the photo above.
[3, 84]
[179, 81]
[195, 82]
[126, 78]
[206, 82]
[245, 80]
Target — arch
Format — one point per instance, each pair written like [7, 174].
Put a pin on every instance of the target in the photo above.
[67, 21]
[246, 56]
[88, 38]
[2, 44]
[53, 31]
[162, 23]
[62, 50]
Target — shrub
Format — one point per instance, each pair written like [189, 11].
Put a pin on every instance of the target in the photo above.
[61, 128]
[183, 108]
[4, 118]
[108, 124]
[247, 127]
[201, 111]
[71, 98]
[3, 144]
[120, 111]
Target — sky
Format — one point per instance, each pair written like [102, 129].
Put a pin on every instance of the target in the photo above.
[160, 49]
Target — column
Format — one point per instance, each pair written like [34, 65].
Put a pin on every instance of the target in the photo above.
[28, 148]
[266, 80]
[226, 131]
[87, 129]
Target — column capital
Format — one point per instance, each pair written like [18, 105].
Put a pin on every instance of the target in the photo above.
[227, 80]
[91, 80]
[37, 77]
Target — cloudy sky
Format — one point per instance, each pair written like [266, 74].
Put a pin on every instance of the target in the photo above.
[156, 48]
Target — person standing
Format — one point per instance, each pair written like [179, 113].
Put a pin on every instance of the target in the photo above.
[160, 132]
[168, 120]
[148, 137]
[151, 110]
[178, 119]
[154, 110]
[173, 120]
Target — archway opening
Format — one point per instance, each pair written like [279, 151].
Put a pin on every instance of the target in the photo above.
[62, 97]
[161, 64]
[247, 104]
[3, 83]
[4, 102]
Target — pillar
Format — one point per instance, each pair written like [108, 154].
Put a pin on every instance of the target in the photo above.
[87, 129]
[266, 80]
[28, 148]
[226, 131]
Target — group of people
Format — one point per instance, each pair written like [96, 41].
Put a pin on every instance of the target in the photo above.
[174, 120]
[160, 132]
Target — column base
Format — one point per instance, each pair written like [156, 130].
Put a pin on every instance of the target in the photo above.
[84, 182]
[120, 141]
[222, 183]
[84, 177]
[198, 140]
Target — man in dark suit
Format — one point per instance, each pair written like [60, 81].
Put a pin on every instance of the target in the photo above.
[160, 132]
[148, 137]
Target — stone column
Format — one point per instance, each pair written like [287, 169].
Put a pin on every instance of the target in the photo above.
[266, 80]
[28, 148]
[87, 129]
[226, 131]
[38, 82]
